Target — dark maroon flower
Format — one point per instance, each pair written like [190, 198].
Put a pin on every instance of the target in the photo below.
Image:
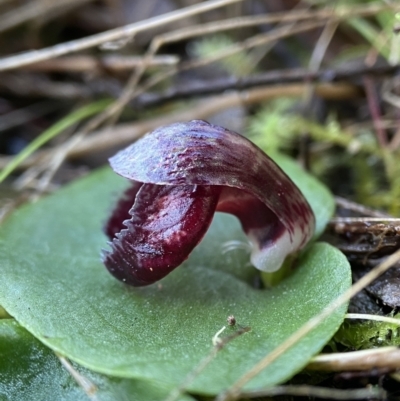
[181, 174]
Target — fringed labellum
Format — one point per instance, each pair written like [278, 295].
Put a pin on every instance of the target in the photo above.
[181, 174]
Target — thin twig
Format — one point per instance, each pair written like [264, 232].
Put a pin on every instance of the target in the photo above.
[318, 392]
[318, 54]
[314, 65]
[282, 17]
[122, 33]
[234, 391]
[356, 207]
[84, 63]
[214, 105]
[274, 77]
[257, 40]
[384, 357]
[35, 9]
[125, 133]
[254, 41]
[128, 31]
[376, 318]
[322, 44]
[384, 219]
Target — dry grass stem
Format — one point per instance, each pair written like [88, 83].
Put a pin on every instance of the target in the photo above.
[126, 32]
[123, 134]
[283, 17]
[254, 41]
[203, 29]
[84, 63]
[386, 219]
[376, 318]
[385, 357]
[318, 54]
[37, 9]
[322, 44]
[356, 207]
[318, 392]
[273, 77]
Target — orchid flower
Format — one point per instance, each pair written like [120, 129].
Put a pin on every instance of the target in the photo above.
[181, 175]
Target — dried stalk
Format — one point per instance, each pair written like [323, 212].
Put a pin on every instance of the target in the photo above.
[36, 9]
[274, 77]
[375, 318]
[385, 357]
[126, 32]
[318, 392]
[282, 17]
[356, 207]
[123, 134]
[85, 63]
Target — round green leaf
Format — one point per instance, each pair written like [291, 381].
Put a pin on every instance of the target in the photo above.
[54, 284]
[30, 371]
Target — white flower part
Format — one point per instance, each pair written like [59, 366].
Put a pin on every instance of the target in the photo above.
[270, 258]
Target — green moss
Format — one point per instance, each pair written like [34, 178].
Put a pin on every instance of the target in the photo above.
[368, 334]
